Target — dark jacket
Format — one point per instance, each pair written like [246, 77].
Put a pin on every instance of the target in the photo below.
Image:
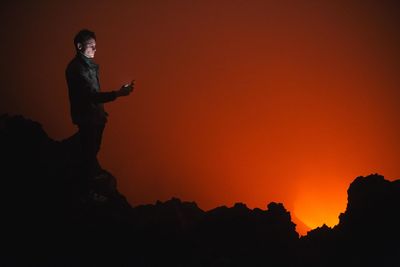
[86, 100]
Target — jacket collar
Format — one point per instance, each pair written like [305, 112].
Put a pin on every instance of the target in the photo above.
[88, 61]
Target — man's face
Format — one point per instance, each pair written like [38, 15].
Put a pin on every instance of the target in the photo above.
[88, 48]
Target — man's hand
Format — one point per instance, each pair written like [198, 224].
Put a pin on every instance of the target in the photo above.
[126, 89]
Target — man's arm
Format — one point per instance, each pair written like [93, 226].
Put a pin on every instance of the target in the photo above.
[83, 90]
[89, 92]
[102, 97]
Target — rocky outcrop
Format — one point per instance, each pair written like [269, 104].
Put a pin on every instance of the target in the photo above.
[46, 222]
[368, 232]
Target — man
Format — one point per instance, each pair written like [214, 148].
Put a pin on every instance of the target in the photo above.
[86, 102]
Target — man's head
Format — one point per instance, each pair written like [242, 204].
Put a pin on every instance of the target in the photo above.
[85, 43]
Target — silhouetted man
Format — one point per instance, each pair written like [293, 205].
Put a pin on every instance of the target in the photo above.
[86, 101]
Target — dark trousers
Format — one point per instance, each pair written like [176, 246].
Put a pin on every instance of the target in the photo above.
[90, 136]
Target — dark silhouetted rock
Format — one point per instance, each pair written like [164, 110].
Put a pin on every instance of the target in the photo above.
[368, 232]
[46, 221]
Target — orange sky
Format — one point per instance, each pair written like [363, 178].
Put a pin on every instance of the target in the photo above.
[236, 101]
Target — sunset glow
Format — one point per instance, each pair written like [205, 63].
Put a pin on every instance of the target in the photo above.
[318, 204]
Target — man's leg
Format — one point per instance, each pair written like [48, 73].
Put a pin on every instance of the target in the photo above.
[90, 137]
[99, 138]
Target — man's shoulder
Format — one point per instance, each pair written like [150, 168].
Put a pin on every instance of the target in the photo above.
[75, 65]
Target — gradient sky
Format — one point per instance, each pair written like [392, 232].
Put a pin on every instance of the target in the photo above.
[236, 101]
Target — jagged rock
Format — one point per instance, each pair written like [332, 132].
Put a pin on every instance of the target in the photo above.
[373, 204]
[368, 232]
[40, 203]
